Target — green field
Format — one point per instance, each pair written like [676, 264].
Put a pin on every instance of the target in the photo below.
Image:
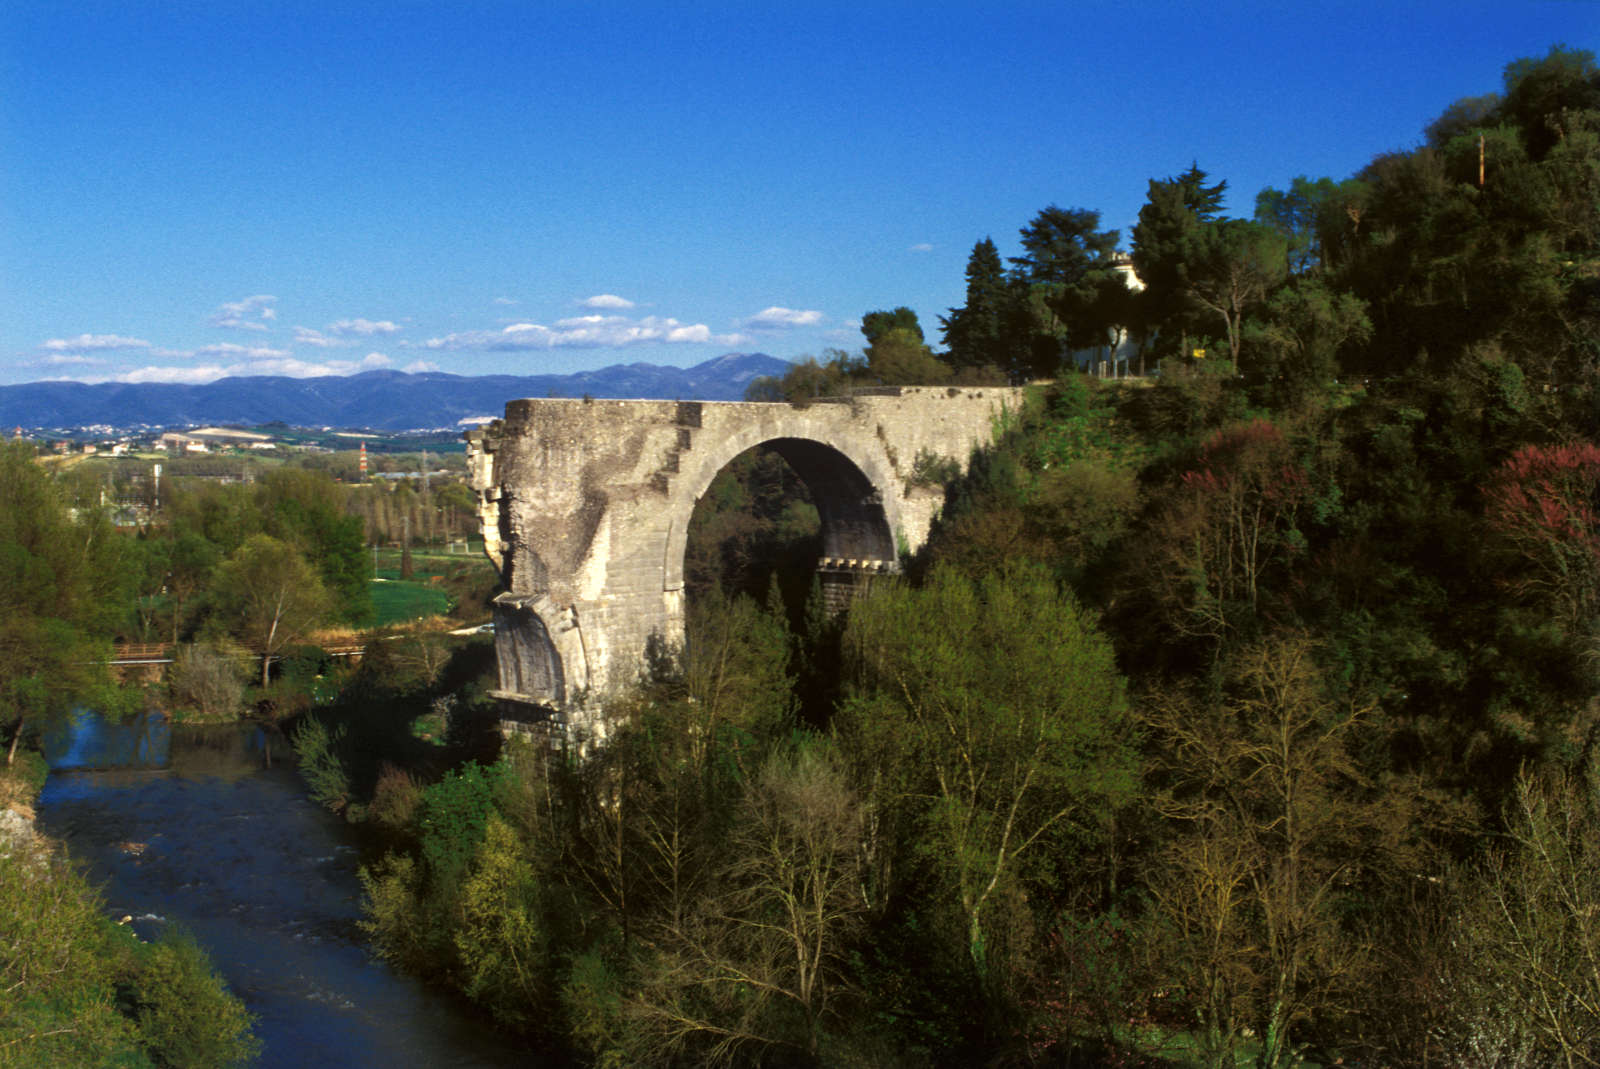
[395, 601]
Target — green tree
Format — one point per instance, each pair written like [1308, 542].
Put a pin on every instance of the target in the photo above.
[1236, 264]
[1477, 237]
[900, 357]
[145, 568]
[1296, 214]
[269, 597]
[58, 960]
[500, 941]
[1465, 117]
[1298, 336]
[896, 353]
[759, 971]
[58, 598]
[1067, 273]
[736, 668]
[1551, 98]
[224, 514]
[975, 332]
[875, 325]
[1063, 245]
[1166, 243]
[306, 509]
[186, 1015]
[809, 379]
[83, 991]
[995, 710]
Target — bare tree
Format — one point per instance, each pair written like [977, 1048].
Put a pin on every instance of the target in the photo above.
[760, 966]
[209, 679]
[1274, 824]
[1526, 975]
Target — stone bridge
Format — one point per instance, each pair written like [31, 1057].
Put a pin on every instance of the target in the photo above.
[585, 509]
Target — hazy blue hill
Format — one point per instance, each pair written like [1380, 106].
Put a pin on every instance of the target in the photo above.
[383, 400]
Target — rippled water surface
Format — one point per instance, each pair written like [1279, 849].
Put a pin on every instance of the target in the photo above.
[214, 840]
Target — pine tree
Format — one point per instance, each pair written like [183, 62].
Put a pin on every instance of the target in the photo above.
[974, 332]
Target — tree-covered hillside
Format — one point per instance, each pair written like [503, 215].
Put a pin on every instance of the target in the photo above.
[1241, 712]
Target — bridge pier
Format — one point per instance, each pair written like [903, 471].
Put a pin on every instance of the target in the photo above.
[585, 508]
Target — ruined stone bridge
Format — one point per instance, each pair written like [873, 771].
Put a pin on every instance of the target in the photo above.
[585, 509]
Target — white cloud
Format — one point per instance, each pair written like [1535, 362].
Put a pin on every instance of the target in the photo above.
[252, 313]
[606, 300]
[362, 328]
[192, 376]
[344, 332]
[504, 300]
[90, 343]
[279, 364]
[697, 332]
[307, 336]
[776, 318]
[921, 246]
[228, 349]
[62, 360]
[579, 332]
[417, 366]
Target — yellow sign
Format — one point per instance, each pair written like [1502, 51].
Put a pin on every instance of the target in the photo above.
[1199, 354]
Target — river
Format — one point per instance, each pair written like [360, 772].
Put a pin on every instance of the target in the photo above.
[190, 827]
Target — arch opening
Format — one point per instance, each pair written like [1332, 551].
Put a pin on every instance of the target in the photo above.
[756, 520]
[530, 667]
[792, 508]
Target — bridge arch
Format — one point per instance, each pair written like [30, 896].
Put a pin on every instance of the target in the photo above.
[852, 488]
[585, 508]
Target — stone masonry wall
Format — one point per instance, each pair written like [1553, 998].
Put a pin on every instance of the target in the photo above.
[585, 507]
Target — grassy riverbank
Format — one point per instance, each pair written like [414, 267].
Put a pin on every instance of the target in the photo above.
[81, 989]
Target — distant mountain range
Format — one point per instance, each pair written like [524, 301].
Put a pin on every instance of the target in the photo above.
[377, 400]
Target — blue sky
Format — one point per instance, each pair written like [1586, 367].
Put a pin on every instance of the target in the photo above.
[189, 190]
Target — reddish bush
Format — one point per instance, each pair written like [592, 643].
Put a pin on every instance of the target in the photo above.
[1254, 457]
[1228, 528]
[1544, 505]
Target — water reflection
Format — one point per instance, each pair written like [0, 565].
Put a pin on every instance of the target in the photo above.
[200, 832]
[86, 740]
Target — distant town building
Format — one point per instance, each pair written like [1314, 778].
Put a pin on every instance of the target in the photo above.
[225, 435]
[173, 442]
[205, 439]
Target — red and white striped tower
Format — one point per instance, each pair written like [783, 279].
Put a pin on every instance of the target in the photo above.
[363, 461]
